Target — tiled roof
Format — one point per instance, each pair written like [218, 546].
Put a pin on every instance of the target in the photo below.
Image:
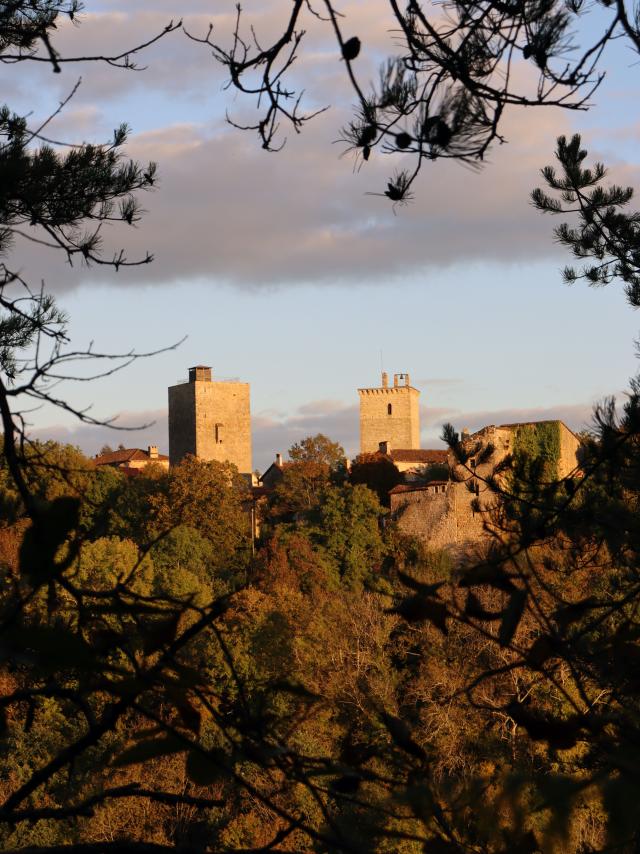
[414, 455]
[423, 487]
[275, 470]
[126, 455]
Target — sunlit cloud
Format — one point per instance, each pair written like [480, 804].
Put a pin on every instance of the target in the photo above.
[227, 212]
[273, 433]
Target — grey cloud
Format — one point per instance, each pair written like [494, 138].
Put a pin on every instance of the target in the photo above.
[228, 211]
[178, 65]
[90, 438]
[321, 407]
[273, 434]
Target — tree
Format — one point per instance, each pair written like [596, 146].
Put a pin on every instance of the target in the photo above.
[59, 195]
[209, 497]
[445, 94]
[315, 462]
[606, 239]
[377, 472]
[76, 636]
[95, 662]
[347, 525]
[109, 682]
[557, 593]
[318, 450]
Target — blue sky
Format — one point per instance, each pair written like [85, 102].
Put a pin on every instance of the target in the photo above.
[281, 271]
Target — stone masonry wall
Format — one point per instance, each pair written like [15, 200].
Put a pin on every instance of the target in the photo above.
[448, 520]
[401, 428]
[182, 425]
[212, 421]
[569, 445]
[441, 520]
[225, 406]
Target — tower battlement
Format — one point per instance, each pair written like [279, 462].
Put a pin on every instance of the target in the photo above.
[389, 414]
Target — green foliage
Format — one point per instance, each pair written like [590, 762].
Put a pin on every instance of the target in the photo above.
[103, 562]
[317, 449]
[435, 471]
[59, 192]
[186, 564]
[607, 237]
[315, 463]
[99, 498]
[538, 444]
[347, 526]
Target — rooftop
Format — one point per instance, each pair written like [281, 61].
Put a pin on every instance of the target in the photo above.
[126, 455]
[423, 487]
[418, 455]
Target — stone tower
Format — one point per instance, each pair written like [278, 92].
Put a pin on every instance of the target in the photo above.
[390, 415]
[210, 419]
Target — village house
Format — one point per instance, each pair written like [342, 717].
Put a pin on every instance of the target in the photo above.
[131, 461]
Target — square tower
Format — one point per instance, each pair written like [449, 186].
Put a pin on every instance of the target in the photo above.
[390, 415]
[210, 420]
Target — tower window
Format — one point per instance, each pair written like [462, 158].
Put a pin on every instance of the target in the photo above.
[218, 434]
[389, 409]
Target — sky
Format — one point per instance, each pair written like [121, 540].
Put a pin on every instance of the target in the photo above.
[285, 271]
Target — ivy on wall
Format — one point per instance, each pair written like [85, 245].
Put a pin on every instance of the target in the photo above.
[540, 444]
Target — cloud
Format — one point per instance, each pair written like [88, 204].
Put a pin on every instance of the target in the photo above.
[90, 438]
[274, 433]
[271, 432]
[227, 211]
[577, 416]
[321, 408]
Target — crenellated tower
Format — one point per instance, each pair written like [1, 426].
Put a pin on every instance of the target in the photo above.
[390, 414]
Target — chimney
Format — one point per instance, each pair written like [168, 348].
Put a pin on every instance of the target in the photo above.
[384, 447]
[200, 373]
[464, 434]
[385, 379]
[279, 460]
[153, 452]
